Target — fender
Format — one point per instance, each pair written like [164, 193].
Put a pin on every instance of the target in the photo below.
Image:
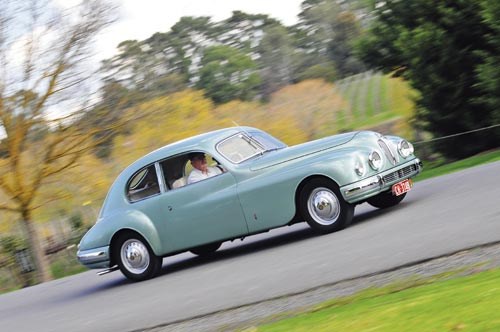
[102, 232]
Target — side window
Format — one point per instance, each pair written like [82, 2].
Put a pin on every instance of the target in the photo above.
[201, 166]
[143, 184]
[173, 171]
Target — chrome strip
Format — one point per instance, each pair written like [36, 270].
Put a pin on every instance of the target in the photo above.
[111, 269]
[364, 186]
[93, 256]
[160, 177]
[387, 151]
[376, 184]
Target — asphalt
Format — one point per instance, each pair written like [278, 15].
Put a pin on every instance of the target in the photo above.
[439, 217]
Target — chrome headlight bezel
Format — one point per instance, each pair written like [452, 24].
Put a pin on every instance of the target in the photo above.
[375, 160]
[405, 148]
[359, 168]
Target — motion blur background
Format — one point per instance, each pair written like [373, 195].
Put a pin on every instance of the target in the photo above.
[425, 70]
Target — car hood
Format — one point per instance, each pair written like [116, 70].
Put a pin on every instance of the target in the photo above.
[301, 151]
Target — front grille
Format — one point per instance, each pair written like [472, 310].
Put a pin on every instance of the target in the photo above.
[387, 151]
[400, 174]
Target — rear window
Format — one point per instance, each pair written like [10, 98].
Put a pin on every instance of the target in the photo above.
[143, 184]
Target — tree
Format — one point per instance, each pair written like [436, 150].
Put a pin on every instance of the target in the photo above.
[437, 46]
[489, 71]
[326, 31]
[276, 60]
[164, 120]
[228, 74]
[38, 84]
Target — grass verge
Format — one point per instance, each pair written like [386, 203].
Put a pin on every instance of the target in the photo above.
[467, 303]
[438, 170]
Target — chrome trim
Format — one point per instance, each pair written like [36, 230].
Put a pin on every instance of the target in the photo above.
[359, 168]
[323, 206]
[94, 258]
[371, 160]
[387, 151]
[376, 184]
[111, 269]
[160, 177]
[363, 186]
[134, 256]
[400, 148]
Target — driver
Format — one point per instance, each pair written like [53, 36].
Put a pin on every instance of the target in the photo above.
[201, 170]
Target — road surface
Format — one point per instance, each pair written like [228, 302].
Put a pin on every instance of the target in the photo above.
[437, 217]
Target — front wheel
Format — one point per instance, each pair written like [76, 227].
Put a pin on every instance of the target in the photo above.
[135, 258]
[323, 207]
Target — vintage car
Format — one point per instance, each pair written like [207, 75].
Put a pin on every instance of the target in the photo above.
[151, 211]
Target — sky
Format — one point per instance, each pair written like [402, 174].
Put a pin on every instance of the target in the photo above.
[139, 19]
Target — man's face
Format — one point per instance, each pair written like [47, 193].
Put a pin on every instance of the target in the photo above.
[200, 163]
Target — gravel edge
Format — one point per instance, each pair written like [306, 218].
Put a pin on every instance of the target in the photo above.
[463, 262]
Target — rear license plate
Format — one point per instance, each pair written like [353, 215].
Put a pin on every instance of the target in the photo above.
[402, 187]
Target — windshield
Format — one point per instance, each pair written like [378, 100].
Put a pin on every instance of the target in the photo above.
[241, 147]
[267, 141]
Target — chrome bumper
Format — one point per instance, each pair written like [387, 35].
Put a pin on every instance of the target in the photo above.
[94, 258]
[381, 182]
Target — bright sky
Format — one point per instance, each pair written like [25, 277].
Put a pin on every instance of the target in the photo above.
[139, 19]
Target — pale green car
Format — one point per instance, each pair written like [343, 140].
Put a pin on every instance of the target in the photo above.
[151, 211]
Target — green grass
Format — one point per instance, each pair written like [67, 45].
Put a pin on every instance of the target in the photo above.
[469, 303]
[433, 171]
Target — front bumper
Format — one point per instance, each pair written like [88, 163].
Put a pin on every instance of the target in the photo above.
[361, 190]
[96, 258]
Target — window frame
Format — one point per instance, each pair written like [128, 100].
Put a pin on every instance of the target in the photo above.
[159, 179]
[217, 147]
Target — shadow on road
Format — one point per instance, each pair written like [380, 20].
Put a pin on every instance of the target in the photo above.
[253, 244]
[271, 241]
[245, 248]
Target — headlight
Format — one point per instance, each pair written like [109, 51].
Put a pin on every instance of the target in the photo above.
[405, 148]
[359, 167]
[375, 160]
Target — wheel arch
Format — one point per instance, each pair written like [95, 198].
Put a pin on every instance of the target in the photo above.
[121, 232]
[301, 186]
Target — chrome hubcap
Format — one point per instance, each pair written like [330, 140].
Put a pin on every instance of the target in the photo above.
[135, 256]
[323, 206]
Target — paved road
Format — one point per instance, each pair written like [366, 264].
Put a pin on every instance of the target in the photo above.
[437, 217]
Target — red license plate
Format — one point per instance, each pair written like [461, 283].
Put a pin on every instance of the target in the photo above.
[402, 187]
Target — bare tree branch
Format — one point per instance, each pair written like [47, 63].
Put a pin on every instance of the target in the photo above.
[47, 68]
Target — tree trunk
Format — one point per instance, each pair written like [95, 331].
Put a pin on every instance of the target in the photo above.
[37, 253]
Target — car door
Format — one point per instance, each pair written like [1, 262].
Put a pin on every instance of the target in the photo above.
[202, 212]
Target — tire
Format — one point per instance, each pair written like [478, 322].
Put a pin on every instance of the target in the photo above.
[323, 207]
[385, 200]
[206, 249]
[135, 258]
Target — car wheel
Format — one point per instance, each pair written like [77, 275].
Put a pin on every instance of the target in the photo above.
[323, 207]
[206, 249]
[135, 258]
[385, 200]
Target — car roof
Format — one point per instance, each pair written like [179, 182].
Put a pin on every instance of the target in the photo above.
[203, 142]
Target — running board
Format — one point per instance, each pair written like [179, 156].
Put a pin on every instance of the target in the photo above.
[111, 269]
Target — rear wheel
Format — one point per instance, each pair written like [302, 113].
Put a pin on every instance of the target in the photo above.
[206, 249]
[385, 200]
[323, 207]
[135, 258]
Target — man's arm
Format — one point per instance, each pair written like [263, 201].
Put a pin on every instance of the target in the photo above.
[194, 176]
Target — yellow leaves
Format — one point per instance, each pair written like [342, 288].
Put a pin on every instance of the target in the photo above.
[164, 120]
[295, 114]
[304, 111]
